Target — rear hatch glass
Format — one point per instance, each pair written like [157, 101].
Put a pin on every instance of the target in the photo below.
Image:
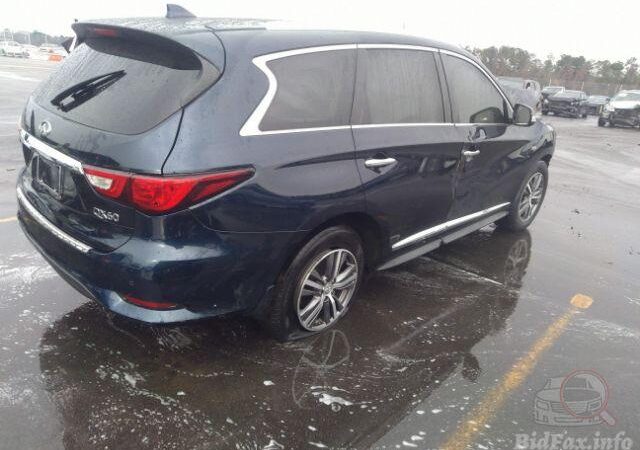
[114, 103]
[125, 86]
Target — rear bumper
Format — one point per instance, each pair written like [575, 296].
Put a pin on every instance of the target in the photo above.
[207, 273]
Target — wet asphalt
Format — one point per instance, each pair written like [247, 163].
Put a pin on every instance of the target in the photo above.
[448, 351]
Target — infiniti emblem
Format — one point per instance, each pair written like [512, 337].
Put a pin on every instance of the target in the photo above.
[44, 128]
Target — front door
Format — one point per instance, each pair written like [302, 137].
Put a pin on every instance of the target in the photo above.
[489, 143]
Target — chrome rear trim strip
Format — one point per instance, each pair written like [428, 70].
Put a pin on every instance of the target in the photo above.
[50, 152]
[424, 234]
[57, 232]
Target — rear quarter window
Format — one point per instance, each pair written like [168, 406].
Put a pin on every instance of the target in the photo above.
[158, 80]
[314, 90]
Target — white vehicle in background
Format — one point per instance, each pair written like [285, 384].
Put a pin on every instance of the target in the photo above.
[53, 49]
[31, 50]
[12, 48]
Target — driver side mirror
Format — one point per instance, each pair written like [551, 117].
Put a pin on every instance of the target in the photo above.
[522, 115]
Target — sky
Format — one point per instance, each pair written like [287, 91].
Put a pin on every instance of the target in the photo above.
[596, 30]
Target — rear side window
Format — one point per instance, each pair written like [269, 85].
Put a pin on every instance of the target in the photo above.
[474, 97]
[314, 90]
[397, 86]
[153, 80]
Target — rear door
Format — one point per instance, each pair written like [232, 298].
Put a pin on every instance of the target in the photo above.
[406, 148]
[489, 143]
[115, 103]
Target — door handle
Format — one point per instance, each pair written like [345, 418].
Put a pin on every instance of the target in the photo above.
[374, 163]
[470, 154]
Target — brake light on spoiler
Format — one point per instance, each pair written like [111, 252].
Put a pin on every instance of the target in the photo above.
[162, 194]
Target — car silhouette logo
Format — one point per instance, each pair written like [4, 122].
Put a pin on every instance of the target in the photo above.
[578, 399]
[44, 128]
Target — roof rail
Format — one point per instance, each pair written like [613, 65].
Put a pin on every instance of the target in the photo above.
[178, 12]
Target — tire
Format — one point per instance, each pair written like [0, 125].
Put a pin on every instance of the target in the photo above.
[601, 122]
[283, 318]
[514, 221]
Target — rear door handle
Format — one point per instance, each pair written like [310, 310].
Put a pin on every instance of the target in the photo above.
[374, 163]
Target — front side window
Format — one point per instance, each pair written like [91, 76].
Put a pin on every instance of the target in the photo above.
[473, 96]
[397, 86]
[315, 90]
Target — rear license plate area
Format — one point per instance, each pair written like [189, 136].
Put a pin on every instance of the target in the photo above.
[49, 176]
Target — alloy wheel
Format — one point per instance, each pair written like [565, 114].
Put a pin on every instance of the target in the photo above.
[326, 289]
[531, 197]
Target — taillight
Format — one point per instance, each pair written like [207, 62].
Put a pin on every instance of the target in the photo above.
[157, 194]
[106, 182]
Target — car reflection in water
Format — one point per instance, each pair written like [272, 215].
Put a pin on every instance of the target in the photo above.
[221, 383]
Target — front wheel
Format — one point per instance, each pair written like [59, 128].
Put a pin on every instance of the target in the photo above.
[528, 200]
[317, 288]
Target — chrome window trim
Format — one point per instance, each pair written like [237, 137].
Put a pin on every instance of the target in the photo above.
[50, 152]
[485, 73]
[421, 48]
[252, 126]
[446, 226]
[57, 232]
[402, 124]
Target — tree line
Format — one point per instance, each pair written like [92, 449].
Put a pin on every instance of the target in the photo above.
[36, 38]
[575, 72]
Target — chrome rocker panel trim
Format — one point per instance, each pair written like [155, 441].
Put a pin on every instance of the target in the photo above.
[424, 234]
[433, 245]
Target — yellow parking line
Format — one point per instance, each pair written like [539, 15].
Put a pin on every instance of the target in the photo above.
[8, 219]
[486, 410]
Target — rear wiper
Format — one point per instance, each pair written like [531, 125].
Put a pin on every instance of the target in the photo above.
[85, 90]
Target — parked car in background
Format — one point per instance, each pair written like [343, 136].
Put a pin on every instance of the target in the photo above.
[595, 103]
[54, 49]
[32, 50]
[274, 176]
[622, 109]
[12, 48]
[548, 91]
[567, 103]
[524, 91]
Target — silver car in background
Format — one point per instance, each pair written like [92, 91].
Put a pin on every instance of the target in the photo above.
[522, 90]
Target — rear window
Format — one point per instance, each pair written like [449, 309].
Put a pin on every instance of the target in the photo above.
[315, 90]
[155, 79]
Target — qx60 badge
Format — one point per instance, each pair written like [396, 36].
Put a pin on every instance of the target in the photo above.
[106, 215]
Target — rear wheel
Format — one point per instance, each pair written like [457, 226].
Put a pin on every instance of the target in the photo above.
[526, 205]
[317, 288]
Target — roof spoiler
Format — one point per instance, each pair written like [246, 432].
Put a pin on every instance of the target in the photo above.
[178, 12]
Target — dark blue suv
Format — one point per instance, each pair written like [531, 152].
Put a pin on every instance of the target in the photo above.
[181, 168]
